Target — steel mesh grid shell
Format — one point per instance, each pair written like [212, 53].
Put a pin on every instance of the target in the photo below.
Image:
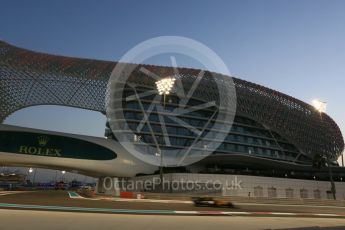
[30, 78]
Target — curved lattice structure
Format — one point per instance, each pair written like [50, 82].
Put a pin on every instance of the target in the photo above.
[29, 78]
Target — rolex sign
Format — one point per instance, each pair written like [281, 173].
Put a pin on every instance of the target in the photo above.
[52, 146]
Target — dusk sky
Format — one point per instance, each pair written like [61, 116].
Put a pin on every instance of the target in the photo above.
[295, 47]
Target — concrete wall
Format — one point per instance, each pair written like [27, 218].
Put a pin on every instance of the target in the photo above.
[239, 185]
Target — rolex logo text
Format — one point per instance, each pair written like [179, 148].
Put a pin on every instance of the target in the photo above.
[41, 150]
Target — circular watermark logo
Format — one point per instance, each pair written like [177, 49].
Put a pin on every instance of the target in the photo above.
[170, 116]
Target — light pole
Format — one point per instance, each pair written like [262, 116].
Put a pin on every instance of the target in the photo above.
[55, 179]
[63, 174]
[33, 178]
[321, 106]
[164, 87]
[28, 174]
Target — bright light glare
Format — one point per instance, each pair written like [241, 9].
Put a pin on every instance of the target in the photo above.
[30, 170]
[165, 85]
[319, 105]
[63, 172]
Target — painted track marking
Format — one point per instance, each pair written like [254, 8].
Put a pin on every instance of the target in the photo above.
[162, 212]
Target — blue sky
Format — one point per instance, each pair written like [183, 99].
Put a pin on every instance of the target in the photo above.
[296, 47]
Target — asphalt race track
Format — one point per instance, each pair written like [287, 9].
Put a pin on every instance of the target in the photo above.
[61, 198]
[31, 212]
[40, 220]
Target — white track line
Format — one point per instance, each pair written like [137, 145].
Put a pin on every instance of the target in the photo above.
[3, 193]
[290, 205]
[237, 213]
[186, 212]
[326, 214]
[284, 213]
[149, 200]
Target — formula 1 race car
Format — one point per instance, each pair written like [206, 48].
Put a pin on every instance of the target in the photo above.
[212, 202]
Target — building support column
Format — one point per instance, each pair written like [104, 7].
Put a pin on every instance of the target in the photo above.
[108, 186]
